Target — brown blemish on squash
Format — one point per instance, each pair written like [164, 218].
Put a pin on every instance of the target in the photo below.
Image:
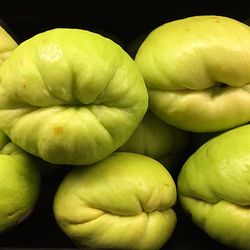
[215, 18]
[23, 83]
[58, 130]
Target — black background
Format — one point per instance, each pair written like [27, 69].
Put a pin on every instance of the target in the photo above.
[123, 20]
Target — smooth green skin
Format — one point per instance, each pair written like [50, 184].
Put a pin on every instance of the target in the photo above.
[19, 184]
[7, 44]
[70, 96]
[122, 202]
[156, 139]
[214, 187]
[197, 71]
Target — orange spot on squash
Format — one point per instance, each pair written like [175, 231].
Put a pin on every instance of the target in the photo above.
[187, 30]
[58, 130]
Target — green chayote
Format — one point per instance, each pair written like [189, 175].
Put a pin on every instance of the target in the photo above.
[214, 187]
[70, 96]
[122, 202]
[19, 184]
[197, 71]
